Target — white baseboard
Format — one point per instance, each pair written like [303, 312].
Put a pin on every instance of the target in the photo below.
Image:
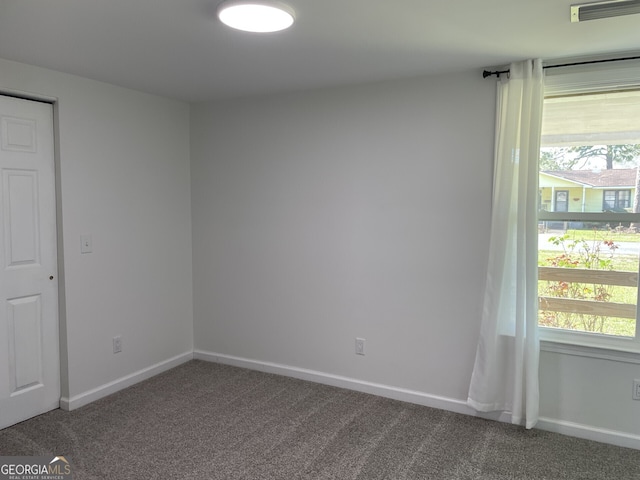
[411, 396]
[85, 398]
[587, 432]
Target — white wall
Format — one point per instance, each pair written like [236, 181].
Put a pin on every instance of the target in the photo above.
[364, 211]
[327, 215]
[123, 177]
[595, 392]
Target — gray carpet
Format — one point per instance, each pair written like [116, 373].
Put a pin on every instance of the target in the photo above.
[209, 421]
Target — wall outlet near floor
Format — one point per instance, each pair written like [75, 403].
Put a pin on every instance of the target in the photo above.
[360, 346]
[117, 344]
[636, 389]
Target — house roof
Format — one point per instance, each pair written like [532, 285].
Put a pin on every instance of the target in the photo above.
[618, 177]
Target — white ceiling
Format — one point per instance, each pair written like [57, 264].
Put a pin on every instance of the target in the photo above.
[178, 48]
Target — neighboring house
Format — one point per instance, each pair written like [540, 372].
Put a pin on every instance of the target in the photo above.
[587, 190]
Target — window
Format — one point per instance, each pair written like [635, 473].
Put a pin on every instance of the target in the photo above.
[589, 240]
[616, 200]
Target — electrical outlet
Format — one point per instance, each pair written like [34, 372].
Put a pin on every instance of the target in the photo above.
[360, 346]
[117, 344]
[636, 390]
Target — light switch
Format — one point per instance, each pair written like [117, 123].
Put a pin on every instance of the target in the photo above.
[86, 244]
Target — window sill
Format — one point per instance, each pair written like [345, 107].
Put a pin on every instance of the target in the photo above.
[576, 348]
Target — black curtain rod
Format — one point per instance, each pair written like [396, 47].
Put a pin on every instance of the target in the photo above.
[497, 73]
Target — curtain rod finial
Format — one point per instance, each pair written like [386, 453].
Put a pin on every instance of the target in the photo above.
[497, 73]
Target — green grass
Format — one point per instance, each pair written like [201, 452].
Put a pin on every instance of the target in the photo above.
[622, 327]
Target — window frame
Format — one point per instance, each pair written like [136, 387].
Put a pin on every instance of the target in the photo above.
[575, 80]
[616, 201]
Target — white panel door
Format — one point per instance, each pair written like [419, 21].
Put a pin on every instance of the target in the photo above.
[29, 357]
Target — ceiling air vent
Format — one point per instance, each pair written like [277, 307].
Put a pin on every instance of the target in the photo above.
[607, 9]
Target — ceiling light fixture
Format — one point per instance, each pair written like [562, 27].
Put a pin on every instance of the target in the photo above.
[606, 9]
[255, 16]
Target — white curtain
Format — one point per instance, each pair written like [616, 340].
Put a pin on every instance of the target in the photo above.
[505, 374]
